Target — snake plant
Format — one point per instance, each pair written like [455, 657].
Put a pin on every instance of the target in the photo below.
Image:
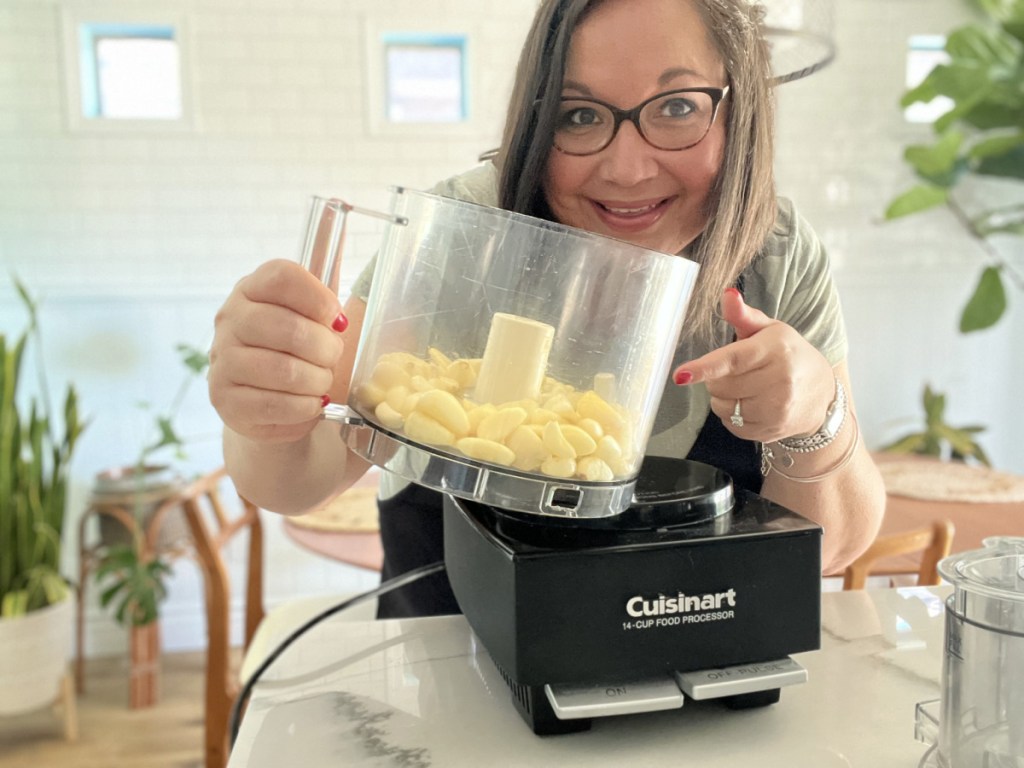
[34, 465]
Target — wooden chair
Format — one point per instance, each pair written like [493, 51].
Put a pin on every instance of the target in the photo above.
[934, 543]
[213, 528]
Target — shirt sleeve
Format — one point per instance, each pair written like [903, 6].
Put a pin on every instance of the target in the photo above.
[792, 281]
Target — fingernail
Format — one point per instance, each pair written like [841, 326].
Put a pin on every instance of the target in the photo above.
[340, 322]
[325, 400]
[682, 377]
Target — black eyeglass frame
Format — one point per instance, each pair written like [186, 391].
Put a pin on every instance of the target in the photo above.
[633, 115]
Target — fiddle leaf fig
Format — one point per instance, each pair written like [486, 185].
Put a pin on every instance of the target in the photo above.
[981, 136]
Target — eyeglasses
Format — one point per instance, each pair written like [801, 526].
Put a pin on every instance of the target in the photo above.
[673, 120]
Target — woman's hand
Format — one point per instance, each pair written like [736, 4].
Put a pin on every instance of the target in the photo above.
[783, 384]
[275, 349]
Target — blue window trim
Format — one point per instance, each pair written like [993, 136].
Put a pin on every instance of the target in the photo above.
[89, 35]
[426, 39]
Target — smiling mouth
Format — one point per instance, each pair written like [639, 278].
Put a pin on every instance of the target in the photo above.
[630, 218]
[631, 211]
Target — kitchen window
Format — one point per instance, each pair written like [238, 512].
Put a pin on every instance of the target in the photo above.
[419, 81]
[126, 75]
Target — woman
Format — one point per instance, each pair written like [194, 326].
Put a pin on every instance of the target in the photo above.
[645, 120]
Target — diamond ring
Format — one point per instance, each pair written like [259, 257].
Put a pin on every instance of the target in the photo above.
[737, 417]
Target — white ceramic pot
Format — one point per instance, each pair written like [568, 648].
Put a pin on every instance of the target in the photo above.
[34, 653]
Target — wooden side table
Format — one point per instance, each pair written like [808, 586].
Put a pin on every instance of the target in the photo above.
[165, 535]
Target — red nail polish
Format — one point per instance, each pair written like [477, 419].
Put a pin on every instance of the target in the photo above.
[340, 322]
[325, 400]
[682, 377]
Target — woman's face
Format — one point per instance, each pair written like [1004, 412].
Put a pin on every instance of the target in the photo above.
[623, 53]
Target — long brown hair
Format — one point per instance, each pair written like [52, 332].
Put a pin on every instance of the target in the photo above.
[741, 207]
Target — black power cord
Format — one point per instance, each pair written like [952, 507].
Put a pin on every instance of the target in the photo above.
[388, 586]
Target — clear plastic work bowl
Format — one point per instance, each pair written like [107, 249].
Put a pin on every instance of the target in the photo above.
[536, 351]
[981, 720]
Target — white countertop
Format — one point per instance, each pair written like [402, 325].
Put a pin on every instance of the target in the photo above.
[422, 692]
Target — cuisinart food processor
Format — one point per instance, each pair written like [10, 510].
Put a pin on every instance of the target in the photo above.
[516, 365]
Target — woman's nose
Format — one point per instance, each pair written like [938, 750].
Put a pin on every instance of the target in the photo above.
[628, 159]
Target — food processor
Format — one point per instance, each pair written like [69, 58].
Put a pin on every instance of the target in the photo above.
[516, 365]
[979, 719]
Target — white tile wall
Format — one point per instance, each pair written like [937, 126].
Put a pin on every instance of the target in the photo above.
[134, 239]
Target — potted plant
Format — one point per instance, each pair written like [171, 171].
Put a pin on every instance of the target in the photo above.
[133, 568]
[978, 149]
[981, 139]
[36, 610]
[939, 439]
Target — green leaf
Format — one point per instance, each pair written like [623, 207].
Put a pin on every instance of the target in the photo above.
[996, 111]
[167, 434]
[917, 199]
[996, 146]
[960, 82]
[989, 48]
[987, 304]
[906, 444]
[939, 158]
[194, 359]
[958, 441]
[965, 106]
[136, 587]
[980, 455]
[1011, 18]
[26, 299]
[109, 593]
[1008, 165]
[973, 429]
[934, 406]
[14, 604]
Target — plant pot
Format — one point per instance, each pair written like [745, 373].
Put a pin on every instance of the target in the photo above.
[140, 497]
[34, 653]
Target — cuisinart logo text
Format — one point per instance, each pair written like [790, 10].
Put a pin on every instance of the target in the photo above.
[664, 611]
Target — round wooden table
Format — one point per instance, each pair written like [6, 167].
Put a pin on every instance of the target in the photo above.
[974, 520]
[357, 548]
[344, 529]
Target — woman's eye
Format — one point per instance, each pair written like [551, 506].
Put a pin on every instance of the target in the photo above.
[579, 117]
[676, 108]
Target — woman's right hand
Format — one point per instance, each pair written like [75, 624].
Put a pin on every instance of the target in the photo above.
[276, 348]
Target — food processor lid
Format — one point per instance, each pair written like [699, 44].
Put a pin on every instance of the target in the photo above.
[988, 583]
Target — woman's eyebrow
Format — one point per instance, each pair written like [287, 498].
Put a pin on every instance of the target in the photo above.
[671, 74]
[665, 78]
[574, 86]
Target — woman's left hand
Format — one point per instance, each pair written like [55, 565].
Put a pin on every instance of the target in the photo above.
[782, 384]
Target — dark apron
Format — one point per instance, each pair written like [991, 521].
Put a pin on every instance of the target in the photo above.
[412, 534]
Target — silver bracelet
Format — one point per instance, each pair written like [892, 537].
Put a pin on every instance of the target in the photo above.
[767, 457]
[835, 417]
